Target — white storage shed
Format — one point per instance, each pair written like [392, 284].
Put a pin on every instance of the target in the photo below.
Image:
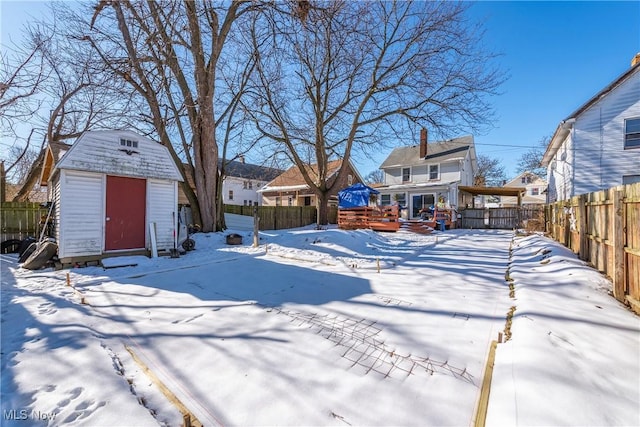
[107, 188]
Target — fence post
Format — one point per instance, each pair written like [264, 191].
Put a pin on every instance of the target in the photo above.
[619, 265]
[583, 254]
[566, 224]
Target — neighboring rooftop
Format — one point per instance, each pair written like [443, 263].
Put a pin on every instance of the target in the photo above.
[238, 169]
[293, 176]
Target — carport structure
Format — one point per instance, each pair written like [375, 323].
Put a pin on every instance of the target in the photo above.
[481, 217]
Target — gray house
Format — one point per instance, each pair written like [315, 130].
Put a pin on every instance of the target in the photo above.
[415, 176]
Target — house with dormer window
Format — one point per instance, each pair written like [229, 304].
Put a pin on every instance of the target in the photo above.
[416, 176]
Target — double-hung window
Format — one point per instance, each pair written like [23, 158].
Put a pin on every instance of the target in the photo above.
[434, 172]
[632, 133]
[406, 174]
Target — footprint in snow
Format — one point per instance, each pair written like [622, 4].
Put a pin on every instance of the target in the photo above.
[72, 395]
[46, 308]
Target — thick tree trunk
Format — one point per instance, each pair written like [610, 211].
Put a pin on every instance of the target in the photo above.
[323, 208]
[206, 168]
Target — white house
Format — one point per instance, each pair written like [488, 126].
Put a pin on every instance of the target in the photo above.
[106, 189]
[416, 176]
[598, 146]
[534, 187]
[242, 182]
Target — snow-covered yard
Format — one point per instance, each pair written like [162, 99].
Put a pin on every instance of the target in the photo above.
[325, 327]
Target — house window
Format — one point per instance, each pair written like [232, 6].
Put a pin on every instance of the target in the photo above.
[630, 179]
[385, 199]
[632, 133]
[400, 199]
[230, 194]
[245, 184]
[523, 180]
[278, 201]
[128, 143]
[535, 191]
[307, 200]
[255, 203]
[406, 174]
[434, 172]
[244, 202]
[290, 202]
[250, 185]
[349, 179]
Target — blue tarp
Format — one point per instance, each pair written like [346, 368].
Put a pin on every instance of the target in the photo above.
[355, 196]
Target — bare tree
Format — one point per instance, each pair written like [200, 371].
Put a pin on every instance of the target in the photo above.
[338, 77]
[20, 160]
[72, 98]
[22, 72]
[531, 161]
[490, 172]
[375, 177]
[170, 53]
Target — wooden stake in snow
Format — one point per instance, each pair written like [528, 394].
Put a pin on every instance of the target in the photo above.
[188, 418]
[378, 264]
[68, 279]
[485, 390]
[256, 228]
[154, 244]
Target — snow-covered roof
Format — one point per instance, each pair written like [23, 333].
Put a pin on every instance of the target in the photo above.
[122, 153]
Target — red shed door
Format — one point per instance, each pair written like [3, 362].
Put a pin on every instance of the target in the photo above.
[125, 219]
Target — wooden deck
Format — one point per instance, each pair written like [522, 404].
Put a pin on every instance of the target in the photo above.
[383, 218]
[386, 218]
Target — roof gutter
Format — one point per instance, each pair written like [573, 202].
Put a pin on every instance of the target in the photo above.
[560, 134]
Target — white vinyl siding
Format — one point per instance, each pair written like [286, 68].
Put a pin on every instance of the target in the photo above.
[162, 205]
[450, 172]
[100, 151]
[56, 209]
[598, 137]
[81, 223]
[393, 176]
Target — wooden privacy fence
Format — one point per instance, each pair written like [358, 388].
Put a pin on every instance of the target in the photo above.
[20, 219]
[603, 228]
[503, 218]
[277, 217]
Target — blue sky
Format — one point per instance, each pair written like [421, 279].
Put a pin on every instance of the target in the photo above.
[557, 54]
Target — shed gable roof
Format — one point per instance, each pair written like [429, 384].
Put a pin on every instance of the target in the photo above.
[101, 152]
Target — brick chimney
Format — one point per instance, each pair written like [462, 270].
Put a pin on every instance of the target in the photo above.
[423, 143]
